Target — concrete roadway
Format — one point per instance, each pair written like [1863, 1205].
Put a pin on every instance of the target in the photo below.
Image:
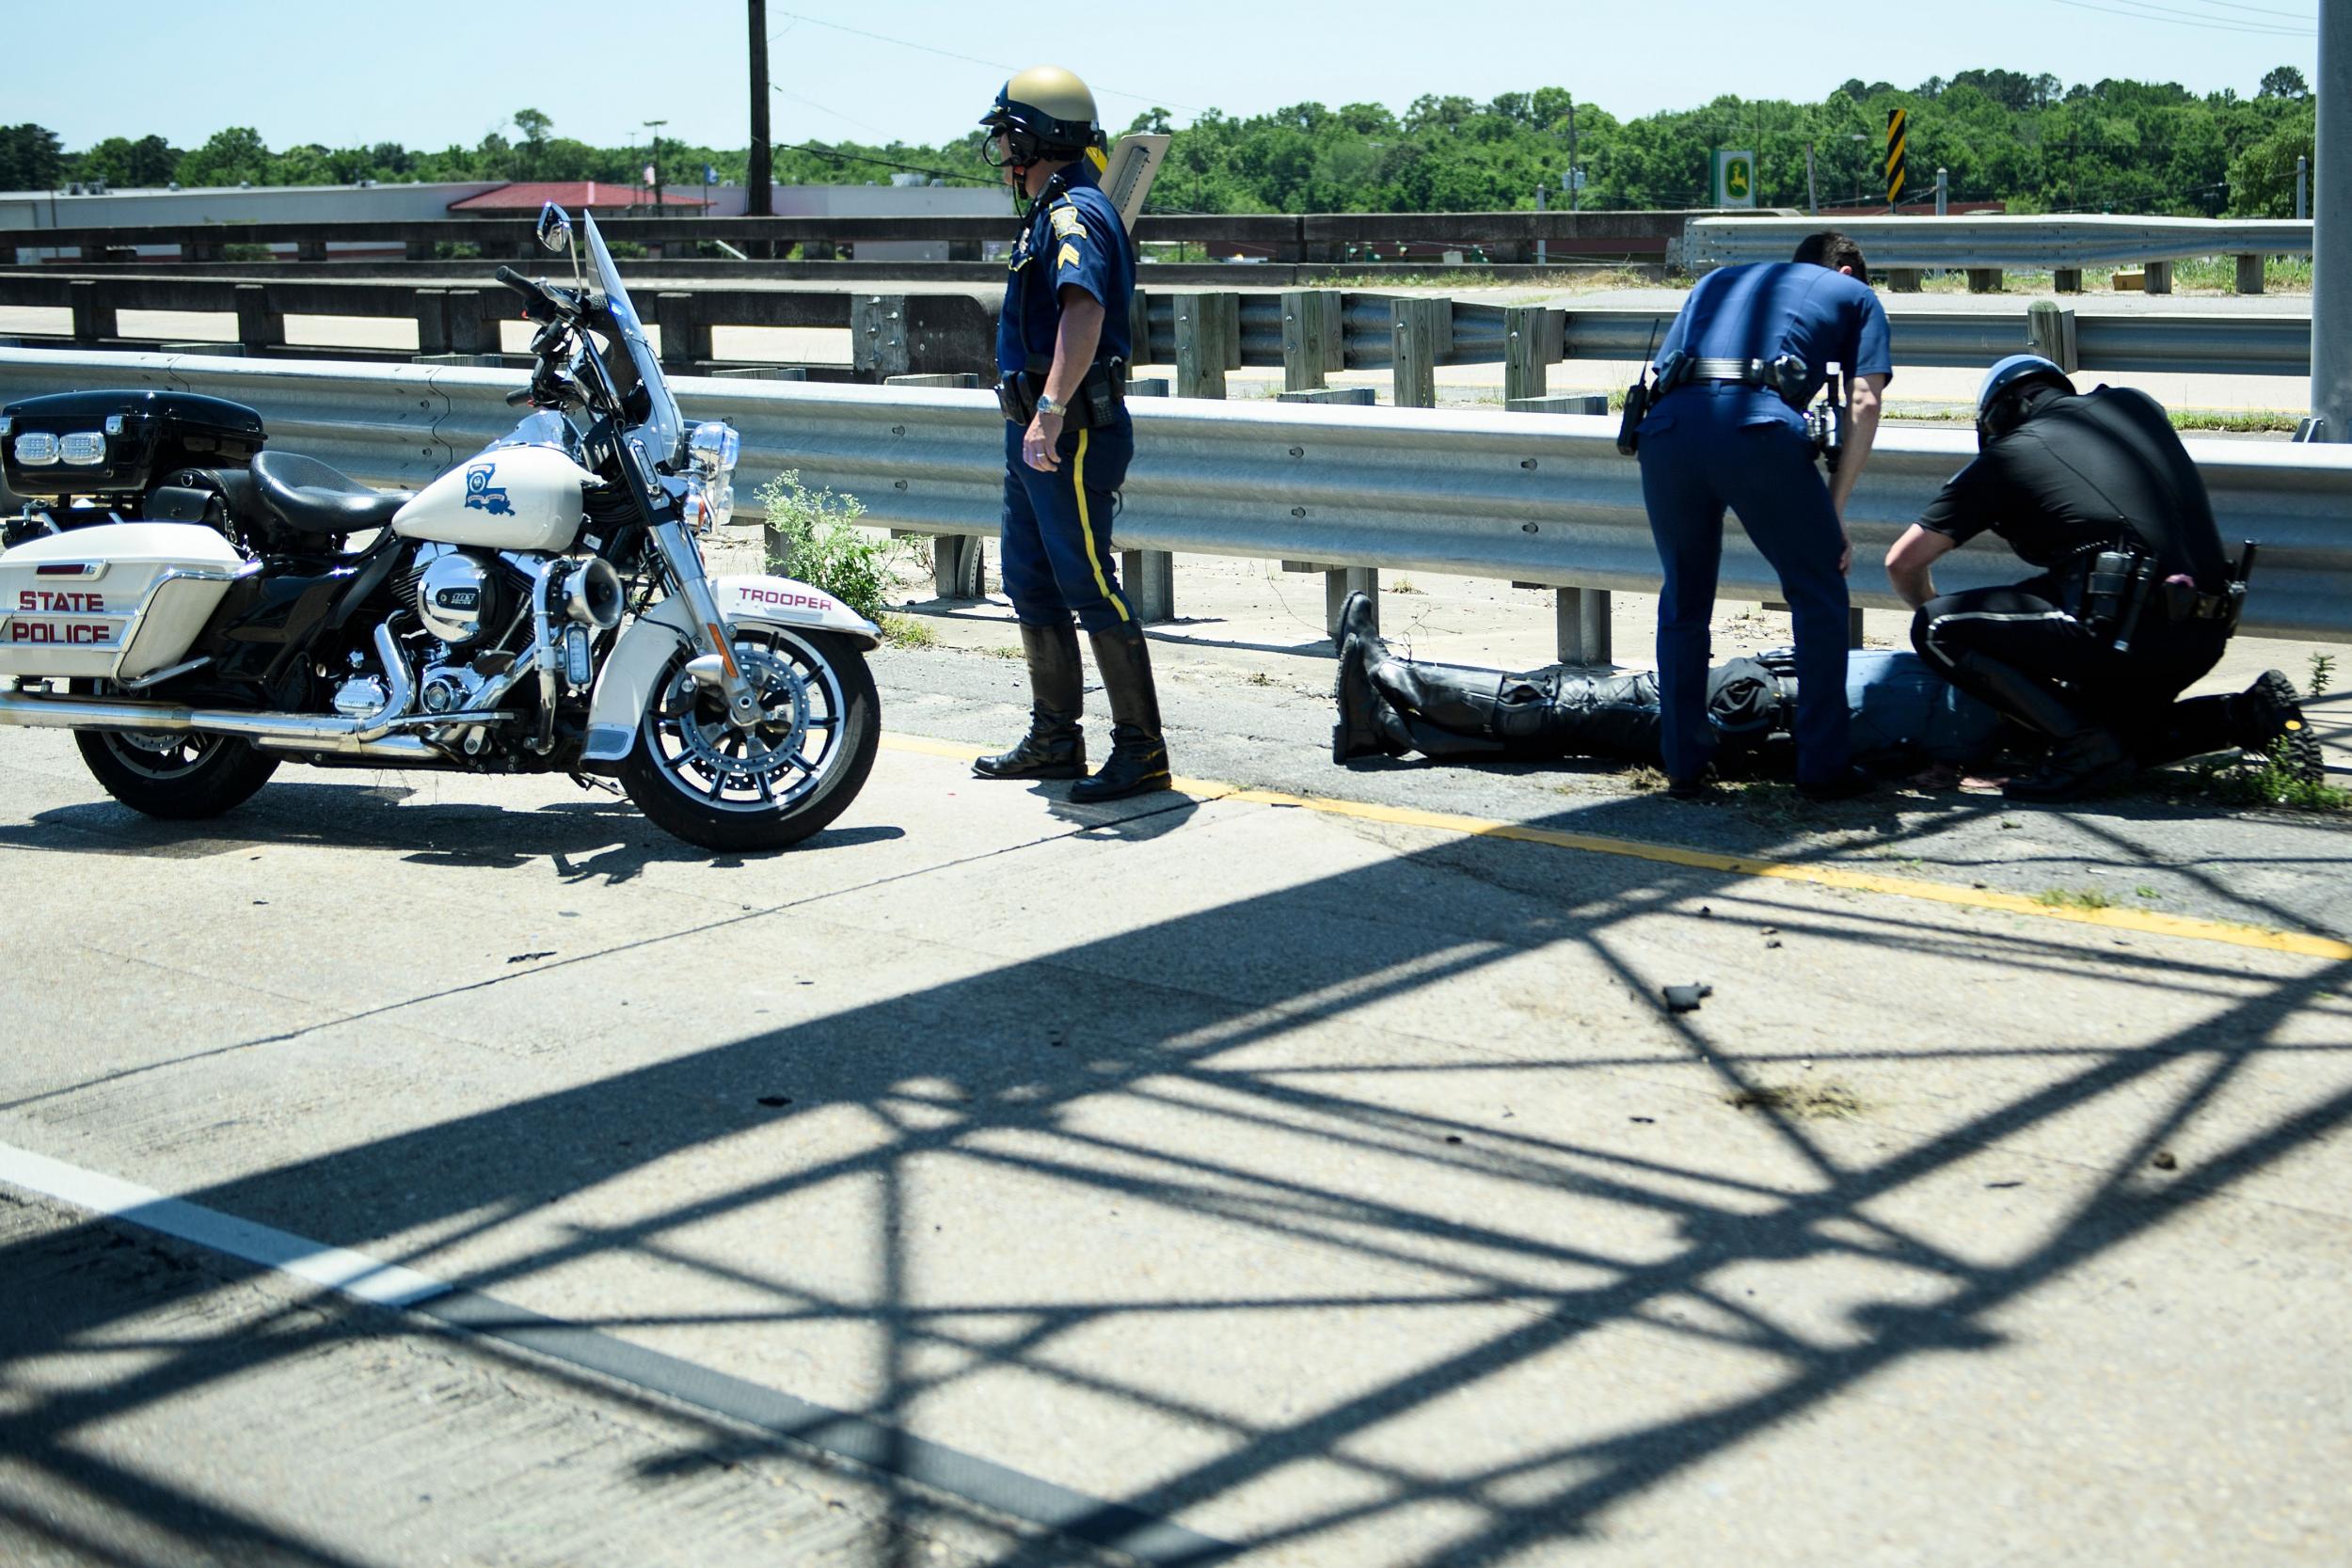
[1315, 1176]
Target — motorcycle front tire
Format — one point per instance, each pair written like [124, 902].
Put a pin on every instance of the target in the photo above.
[670, 799]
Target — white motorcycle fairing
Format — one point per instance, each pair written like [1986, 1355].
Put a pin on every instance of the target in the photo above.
[631, 676]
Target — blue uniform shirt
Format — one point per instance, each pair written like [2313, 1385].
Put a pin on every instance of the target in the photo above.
[1074, 236]
[1768, 309]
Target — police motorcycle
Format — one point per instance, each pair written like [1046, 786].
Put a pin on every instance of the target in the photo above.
[542, 607]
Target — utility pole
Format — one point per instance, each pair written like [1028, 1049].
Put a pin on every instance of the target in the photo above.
[1941, 188]
[1575, 197]
[2331, 224]
[2302, 190]
[758, 200]
[1542, 251]
[1812, 195]
[653, 162]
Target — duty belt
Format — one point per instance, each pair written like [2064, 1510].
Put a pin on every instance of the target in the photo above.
[1752, 372]
[1100, 396]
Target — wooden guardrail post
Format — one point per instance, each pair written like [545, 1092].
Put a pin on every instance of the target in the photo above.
[1581, 625]
[1902, 280]
[1984, 280]
[878, 337]
[470, 326]
[2050, 333]
[1208, 329]
[1312, 340]
[2159, 278]
[2249, 272]
[1527, 351]
[93, 321]
[1423, 328]
[1149, 577]
[2067, 280]
[260, 328]
[432, 309]
[685, 329]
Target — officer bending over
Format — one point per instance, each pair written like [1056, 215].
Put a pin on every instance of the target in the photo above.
[1062, 354]
[2134, 601]
[1726, 429]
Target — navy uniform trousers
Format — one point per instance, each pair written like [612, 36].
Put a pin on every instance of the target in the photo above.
[1697, 458]
[1056, 538]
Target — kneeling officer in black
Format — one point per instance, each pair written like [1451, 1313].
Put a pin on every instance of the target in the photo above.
[1063, 353]
[2135, 599]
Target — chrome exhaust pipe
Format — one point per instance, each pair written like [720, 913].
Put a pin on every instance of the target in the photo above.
[277, 732]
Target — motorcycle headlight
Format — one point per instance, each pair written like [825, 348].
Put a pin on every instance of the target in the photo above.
[712, 449]
[708, 506]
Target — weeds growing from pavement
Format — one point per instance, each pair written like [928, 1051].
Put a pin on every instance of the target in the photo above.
[813, 537]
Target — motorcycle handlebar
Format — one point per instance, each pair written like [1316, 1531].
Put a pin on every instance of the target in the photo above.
[535, 293]
[519, 396]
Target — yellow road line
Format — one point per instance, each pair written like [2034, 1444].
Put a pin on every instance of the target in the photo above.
[2146, 922]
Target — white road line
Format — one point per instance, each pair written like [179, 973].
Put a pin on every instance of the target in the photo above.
[351, 1274]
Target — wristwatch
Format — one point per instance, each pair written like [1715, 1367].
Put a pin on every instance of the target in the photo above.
[1045, 404]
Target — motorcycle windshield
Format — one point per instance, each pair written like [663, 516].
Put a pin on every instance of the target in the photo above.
[545, 428]
[664, 428]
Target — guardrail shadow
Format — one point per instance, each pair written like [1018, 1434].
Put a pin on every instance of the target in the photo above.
[1274, 1086]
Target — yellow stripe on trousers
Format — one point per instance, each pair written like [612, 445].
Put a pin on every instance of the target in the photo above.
[1086, 530]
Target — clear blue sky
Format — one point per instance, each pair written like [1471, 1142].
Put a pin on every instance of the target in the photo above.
[428, 75]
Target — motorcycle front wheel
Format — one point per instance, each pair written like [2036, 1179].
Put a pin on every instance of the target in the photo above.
[699, 777]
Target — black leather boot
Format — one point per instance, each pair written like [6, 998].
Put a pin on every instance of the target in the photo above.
[2083, 760]
[1368, 726]
[1139, 760]
[1056, 747]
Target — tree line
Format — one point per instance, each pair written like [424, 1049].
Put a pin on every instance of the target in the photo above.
[2029, 141]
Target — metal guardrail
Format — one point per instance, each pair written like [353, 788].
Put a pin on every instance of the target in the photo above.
[1527, 498]
[1619, 235]
[2023, 243]
[956, 331]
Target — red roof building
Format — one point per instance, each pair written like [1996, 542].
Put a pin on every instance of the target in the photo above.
[573, 196]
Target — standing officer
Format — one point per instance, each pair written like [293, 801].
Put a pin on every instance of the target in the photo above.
[1061, 355]
[1726, 429]
[2134, 601]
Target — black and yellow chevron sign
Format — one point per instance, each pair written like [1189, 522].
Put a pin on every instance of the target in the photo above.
[1895, 119]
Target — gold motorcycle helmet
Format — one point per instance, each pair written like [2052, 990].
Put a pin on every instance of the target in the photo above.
[1043, 114]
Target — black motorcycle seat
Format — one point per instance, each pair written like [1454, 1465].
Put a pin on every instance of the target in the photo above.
[311, 497]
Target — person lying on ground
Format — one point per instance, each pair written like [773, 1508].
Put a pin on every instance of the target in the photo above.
[1904, 720]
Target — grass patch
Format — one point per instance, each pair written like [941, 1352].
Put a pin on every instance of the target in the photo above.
[2074, 898]
[1646, 778]
[1403, 585]
[1000, 651]
[2245, 780]
[909, 631]
[2240, 421]
[1807, 1103]
[814, 536]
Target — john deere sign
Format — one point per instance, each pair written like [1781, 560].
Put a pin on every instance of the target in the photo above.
[1735, 180]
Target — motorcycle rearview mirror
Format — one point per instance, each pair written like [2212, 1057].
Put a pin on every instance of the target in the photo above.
[555, 234]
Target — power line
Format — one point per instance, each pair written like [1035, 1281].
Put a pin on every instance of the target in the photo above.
[974, 59]
[2259, 10]
[815, 151]
[2256, 29]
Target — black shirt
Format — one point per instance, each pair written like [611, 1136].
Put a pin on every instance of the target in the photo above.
[2084, 473]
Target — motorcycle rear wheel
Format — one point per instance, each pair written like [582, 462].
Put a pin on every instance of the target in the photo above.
[699, 778]
[180, 778]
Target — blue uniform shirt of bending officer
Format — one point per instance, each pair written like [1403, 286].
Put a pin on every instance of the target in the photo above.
[1718, 440]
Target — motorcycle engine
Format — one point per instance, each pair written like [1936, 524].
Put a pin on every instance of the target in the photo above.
[459, 595]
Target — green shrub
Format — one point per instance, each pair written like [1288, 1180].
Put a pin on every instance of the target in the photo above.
[456, 250]
[241, 251]
[814, 536]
